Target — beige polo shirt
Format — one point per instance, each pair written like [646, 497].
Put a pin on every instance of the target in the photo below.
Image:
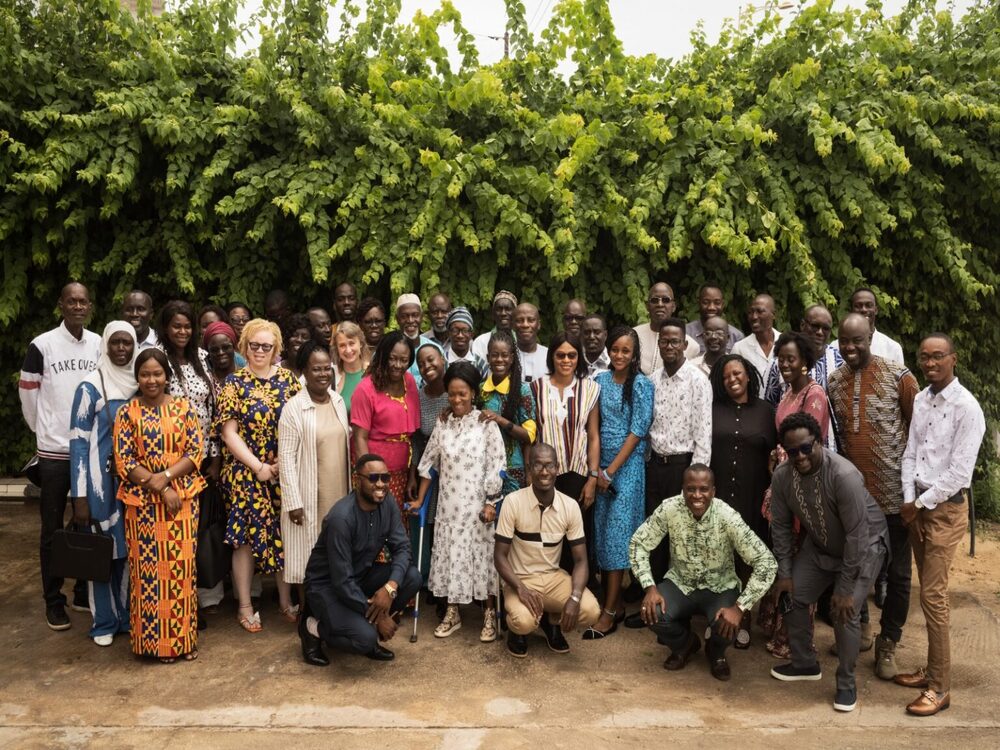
[536, 534]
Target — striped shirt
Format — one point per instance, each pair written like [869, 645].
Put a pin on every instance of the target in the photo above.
[562, 420]
[535, 533]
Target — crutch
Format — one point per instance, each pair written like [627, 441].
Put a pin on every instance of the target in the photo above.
[972, 524]
[420, 547]
[500, 611]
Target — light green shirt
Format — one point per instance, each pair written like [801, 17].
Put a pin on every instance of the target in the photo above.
[701, 552]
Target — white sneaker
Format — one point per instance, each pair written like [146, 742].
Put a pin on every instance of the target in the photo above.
[104, 640]
[489, 632]
[449, 623]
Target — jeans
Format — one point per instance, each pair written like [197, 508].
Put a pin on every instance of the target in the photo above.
[673, 626]
[54, 477]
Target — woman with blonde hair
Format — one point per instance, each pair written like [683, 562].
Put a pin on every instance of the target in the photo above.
[249, 407]
[351, 357]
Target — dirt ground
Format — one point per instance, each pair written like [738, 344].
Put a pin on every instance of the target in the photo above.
[60, 690]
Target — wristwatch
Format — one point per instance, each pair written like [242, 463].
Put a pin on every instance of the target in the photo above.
[575, 597]
[391, 590]
[593, 474]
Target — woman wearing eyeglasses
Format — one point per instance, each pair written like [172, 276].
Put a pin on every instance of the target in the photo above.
[314, 453]
[249, 407]
[568, 418]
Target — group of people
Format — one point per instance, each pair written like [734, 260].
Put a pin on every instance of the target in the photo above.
[680, 465]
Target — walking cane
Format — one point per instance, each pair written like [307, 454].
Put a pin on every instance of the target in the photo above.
[420, 547]
[496, 520]
[972, 524]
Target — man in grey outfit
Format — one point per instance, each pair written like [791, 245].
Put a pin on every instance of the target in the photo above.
[845, 545]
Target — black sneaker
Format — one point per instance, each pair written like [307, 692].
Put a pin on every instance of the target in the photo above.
[845, 700]
[56, 617]
[554, 636]
[81, 601]
[517, 645]
[790, 673]
[380, 653]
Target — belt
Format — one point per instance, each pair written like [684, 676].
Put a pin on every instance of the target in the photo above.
[959, 497]
[673, 458]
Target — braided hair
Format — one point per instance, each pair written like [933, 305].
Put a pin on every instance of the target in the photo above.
[191, 351]
[718, 381]
[510, 404]
[633, 366]
[378, 370]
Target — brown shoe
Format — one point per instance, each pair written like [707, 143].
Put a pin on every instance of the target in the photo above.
[679, 658]
[916, 679]
[928, 704]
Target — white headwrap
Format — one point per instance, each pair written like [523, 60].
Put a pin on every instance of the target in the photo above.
[119, 382]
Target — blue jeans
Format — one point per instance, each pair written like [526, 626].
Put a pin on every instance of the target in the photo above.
[673, 626]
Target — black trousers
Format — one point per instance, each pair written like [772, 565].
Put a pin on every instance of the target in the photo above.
[663, 480]
[570, 483]
[344, 628]
[54, 477]
[897, 597]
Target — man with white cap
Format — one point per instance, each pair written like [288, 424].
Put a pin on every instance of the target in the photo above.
[409, 316]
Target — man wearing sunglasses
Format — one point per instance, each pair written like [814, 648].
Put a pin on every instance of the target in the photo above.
[661, 305]
[846, 539]
[351, 598]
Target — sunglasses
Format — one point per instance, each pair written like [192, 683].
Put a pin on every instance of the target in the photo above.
[376, 478]
[256, 346]
[566, 355]
[660, 300]
[803, 450]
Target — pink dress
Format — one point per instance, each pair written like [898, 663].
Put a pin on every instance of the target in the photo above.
[390, 421]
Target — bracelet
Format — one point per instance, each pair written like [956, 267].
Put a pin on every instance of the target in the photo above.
[166, 473]
[604, 473]
[575, 597]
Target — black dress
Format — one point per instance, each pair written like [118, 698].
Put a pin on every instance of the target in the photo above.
[743, 436]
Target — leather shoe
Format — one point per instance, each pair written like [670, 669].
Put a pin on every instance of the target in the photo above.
[928, 704]
[634, 621]
[380, 653]
[517, 645]
[678, 659]
[554, 636]
[719, 668]
[312, 647]
[916, 679]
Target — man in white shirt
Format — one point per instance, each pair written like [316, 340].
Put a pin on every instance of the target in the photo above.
[593, 338]
[946, 432]
[864, 303]
[504, 304]
[53, 367]
[711, 304]
[681, 432]
[660, 304]
[532, 354]
[758, 348]
[137, 309]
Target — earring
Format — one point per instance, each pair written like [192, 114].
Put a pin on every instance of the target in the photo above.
[805, 370]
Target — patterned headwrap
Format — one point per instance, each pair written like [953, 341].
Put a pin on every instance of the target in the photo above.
[215, 328]
[459, 315]
[504, 294]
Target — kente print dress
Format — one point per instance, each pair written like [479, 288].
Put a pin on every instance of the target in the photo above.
[163, 604]
[255, 507]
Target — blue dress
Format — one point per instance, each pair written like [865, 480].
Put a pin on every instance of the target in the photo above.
[621, 510]
[93, 477]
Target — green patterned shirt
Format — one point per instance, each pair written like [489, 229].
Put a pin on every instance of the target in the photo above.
[701, 552]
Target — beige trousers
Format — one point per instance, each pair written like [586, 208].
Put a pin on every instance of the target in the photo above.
[555, 588]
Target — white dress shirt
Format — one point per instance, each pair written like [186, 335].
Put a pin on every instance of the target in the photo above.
[150, 340]
[749, 348]
[946, 431]
[882, 346]
[534, 364]
[649, 349]
[599, 365]
[682, 414]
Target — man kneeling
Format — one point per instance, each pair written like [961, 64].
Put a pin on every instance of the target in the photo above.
[703, 534]
[529, 538]
[352, 598]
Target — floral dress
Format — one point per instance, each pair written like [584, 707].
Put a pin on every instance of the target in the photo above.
[469, 456]
[200, 393]
[254, 506]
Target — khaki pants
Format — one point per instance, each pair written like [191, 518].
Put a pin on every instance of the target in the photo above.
[555, 588]
[934, 536]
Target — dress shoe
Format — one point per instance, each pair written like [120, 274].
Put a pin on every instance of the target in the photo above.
[312, 647]
[719, 668]
[682, 656]
[380, 653]
[554, 636]
[517, 645]
[634, 621]
[916, 679]
[929, 704]
[56, 617]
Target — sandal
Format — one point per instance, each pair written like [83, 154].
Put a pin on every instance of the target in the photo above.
[191, 655]
[250, 623]
[290, 613]
[168, 659]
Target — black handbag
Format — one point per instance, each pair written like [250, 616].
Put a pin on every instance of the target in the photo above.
[213, 557]
[82, 555]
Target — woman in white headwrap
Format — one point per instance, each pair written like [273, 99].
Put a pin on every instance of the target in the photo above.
[92, 473]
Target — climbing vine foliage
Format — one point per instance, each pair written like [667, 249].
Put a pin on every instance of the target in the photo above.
[804, 156]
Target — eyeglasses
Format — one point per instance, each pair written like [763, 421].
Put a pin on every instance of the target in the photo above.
[238, 319]
[256, 346]
[377, 478]
[373, 322]
[660, 300]
[547, 466]
[932, 357]
[224, 349]
[672, 343]
[803, 450]
[819, 327]
[573, 318]
[566, 355]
